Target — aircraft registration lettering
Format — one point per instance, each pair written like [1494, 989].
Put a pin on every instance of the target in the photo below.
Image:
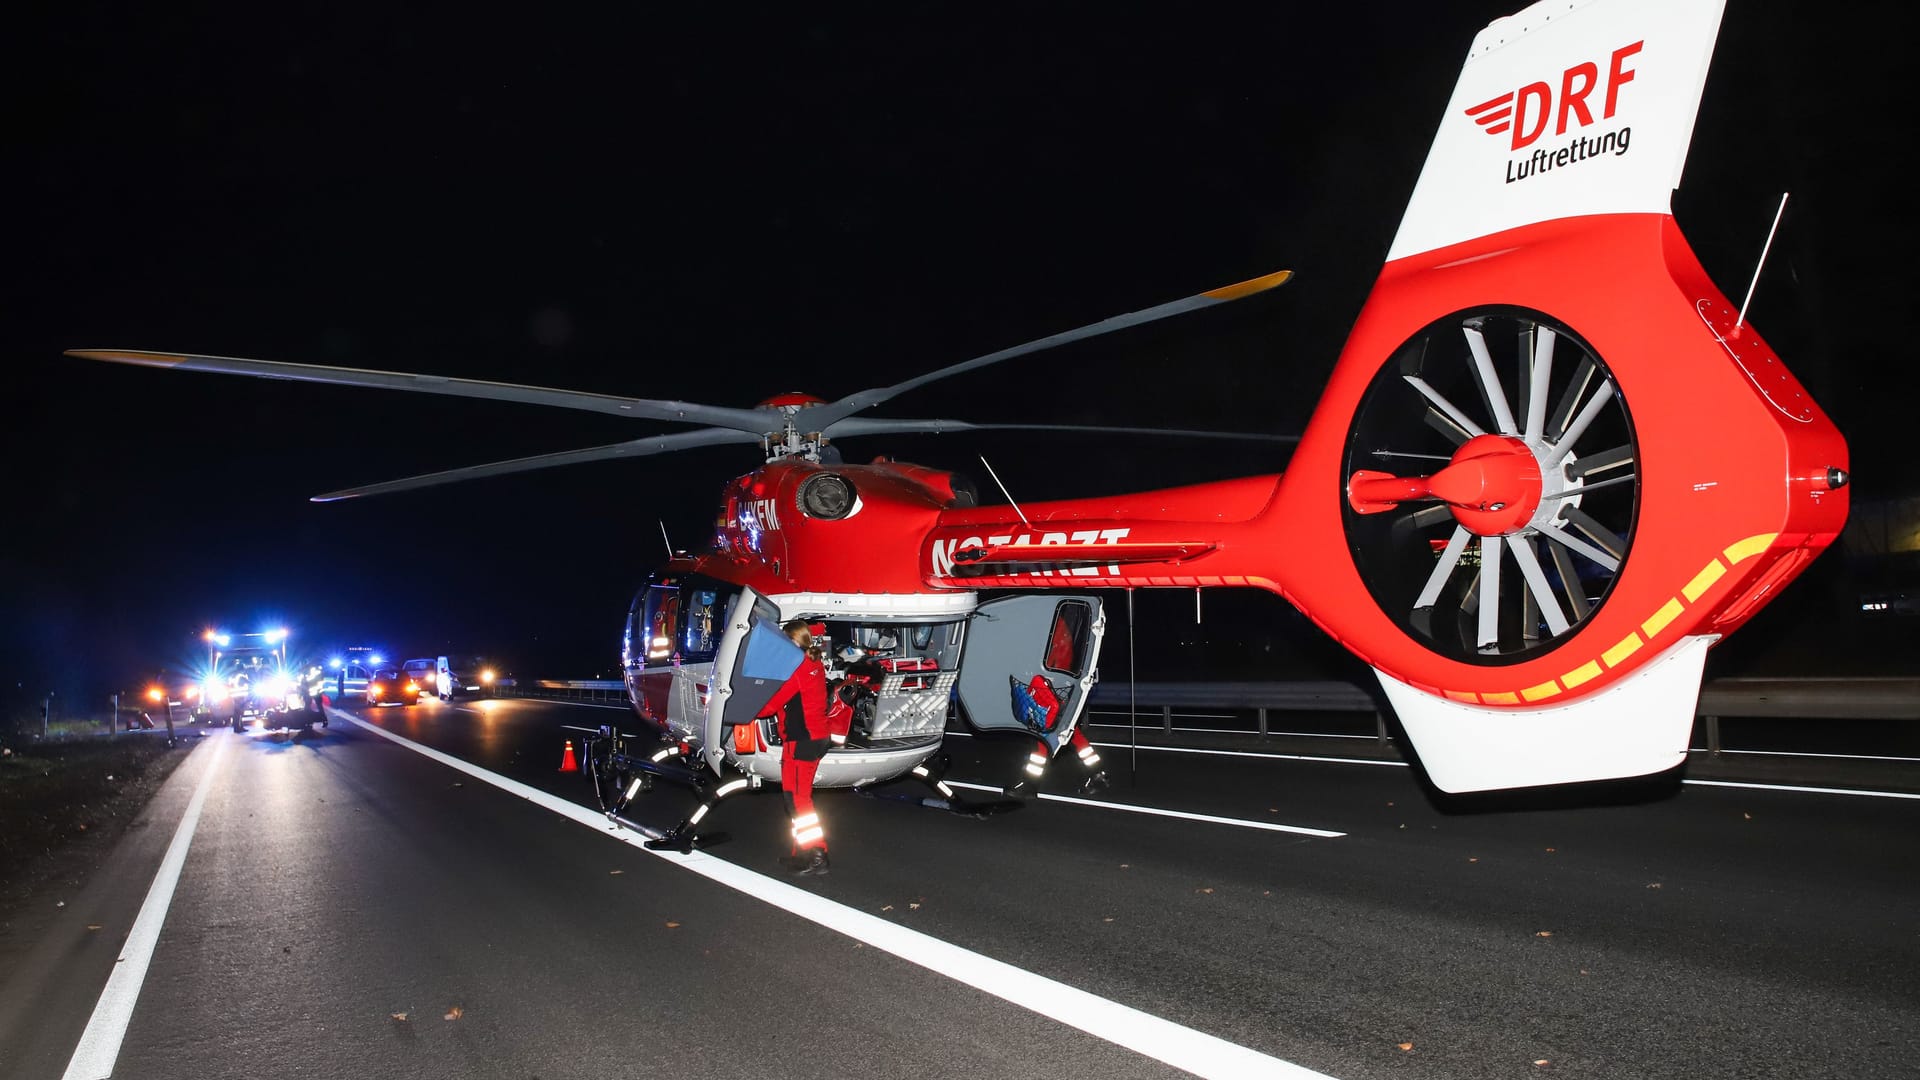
[766, 512]
[945, 551]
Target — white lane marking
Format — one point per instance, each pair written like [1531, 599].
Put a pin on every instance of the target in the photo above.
[1157, 812]
[1404, 765]
[99, 1047]
[1274, 734]
[1186, 715]
[1807, 790]
[1798, 753]
[1251, 754]
[1162, 1040]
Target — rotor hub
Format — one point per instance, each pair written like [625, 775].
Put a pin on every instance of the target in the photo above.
[1492, 486]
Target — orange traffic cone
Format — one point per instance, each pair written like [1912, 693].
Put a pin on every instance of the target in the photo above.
[567, 762]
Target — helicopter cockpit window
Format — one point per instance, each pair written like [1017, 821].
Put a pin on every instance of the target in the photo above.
[703, 617]
[661, 624]
[1069, 640]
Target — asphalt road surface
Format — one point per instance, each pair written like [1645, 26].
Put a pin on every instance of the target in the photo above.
[351, 906]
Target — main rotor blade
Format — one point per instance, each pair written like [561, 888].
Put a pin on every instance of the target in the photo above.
[756, 421]
[820, 417]
[657, 444]
[855, 425]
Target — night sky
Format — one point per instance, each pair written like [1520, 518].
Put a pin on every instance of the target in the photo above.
[718, 204]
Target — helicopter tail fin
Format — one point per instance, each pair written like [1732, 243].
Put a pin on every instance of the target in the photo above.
[1564, 110]
[1553, 465]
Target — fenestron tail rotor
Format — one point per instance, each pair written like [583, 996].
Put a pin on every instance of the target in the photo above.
[1491, 515]
[796, 424]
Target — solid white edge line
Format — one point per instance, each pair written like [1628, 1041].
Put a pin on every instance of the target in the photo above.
[1806, 790]
[1157, 812]
[99, 1049]
[1162, 1040]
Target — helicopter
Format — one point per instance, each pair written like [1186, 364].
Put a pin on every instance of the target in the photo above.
[1553, 465]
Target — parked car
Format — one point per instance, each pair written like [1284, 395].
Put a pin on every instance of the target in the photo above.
[463, 677]
[394, 686]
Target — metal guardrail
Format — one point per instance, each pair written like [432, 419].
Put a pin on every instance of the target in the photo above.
[600, 691]
[1733, 698]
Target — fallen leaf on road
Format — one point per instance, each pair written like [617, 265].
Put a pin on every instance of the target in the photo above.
[913, 907]
[889, 907]
[402, 1017]
[673, 926]
[59, 903]
[454, 1013]
[1746, 815]
[1406, 1046]
[1549, 851]
[1471, 858]
[1653, 885]
[616, 871]
[1541, 1063]
[1543, 933]
[93, 926]
[1204, 890]
[1107, 919]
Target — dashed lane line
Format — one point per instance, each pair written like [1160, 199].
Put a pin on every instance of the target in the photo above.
[1186, 815]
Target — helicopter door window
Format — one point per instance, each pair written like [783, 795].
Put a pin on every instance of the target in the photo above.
[1068, 640]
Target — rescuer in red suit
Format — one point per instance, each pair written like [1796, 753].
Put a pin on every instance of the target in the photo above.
[801, 708]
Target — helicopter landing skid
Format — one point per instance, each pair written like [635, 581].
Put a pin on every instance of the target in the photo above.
[932, 774]
[685, 836]
[952, 805]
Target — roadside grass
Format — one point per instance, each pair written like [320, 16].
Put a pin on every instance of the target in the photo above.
[56, 793]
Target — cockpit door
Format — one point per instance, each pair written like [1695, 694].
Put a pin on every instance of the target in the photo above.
[1028, 663]
[751, 661]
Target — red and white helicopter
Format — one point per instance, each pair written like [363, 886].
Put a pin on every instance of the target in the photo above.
[1552, 467]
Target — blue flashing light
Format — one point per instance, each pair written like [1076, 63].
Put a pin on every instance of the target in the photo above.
[336, 663]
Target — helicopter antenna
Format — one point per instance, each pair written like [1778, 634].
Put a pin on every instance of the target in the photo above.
[1768, 246]
[663, 537]
[1008, 494]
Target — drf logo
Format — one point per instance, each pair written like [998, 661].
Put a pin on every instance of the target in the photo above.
[1525, 111]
